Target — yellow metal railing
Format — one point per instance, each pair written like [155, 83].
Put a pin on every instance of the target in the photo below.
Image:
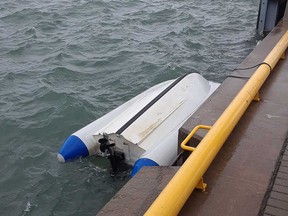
[175, 194]
[191, 134]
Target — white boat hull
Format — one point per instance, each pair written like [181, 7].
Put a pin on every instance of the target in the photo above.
[144, 129]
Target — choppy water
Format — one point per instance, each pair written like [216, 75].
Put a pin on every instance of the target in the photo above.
[64, 63]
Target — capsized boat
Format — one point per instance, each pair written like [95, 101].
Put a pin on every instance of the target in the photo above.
[144, 130]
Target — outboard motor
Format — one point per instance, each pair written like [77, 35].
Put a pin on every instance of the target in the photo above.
[110, 151]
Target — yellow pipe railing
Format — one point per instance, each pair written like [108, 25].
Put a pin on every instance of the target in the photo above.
[191, 134]
[175, 194]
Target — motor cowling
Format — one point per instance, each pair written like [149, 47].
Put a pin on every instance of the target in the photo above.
[110, 152]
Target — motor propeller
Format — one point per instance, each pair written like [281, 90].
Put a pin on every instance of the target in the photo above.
[111, 153]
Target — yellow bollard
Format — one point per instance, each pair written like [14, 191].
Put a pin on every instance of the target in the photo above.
[178, 190]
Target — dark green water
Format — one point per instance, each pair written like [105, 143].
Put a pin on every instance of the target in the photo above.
[64, 63]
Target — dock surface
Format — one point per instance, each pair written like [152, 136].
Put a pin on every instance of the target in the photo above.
[249, 176]
[241, 173]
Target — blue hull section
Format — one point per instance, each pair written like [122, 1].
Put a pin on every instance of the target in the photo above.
[141, 163]
[72, 149]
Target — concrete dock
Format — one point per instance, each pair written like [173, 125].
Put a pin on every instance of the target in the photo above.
[249, 176]
[240, 177]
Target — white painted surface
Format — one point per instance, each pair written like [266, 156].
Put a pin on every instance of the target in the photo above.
[154, 134]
